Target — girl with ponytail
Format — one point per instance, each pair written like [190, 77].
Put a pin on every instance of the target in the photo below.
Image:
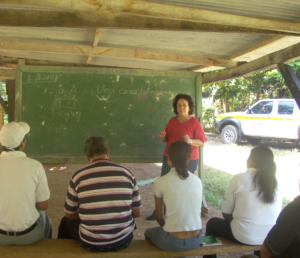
[180, 193]
[262, 159]
[252, 202]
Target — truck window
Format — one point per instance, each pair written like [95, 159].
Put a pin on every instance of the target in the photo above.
[285, 107]
[263, 107]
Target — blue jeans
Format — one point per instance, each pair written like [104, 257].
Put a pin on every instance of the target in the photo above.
[166, 241]
[165, 167]
[43, 229]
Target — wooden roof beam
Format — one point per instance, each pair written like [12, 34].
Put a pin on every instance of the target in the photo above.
[12, 62]
[38, 46]
[7, 74]
[263, 63]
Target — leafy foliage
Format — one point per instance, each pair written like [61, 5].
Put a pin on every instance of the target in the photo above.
[3, 94]
[209, 119]
[238, 94]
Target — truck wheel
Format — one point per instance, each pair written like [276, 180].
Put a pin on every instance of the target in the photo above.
[229, 134]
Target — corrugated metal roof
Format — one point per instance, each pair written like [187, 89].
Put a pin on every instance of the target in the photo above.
[198, 35]
[283, 9]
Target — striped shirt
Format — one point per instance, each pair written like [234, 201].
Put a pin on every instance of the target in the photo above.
[103, 194]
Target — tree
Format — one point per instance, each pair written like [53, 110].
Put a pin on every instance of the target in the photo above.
[240, 93]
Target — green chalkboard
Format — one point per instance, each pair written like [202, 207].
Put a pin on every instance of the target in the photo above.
[64, 106]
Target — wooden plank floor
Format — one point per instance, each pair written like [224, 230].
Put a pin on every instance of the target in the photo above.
[138, 248]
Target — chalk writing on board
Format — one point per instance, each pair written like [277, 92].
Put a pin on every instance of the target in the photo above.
[104, 90]
[40, 78]
[69, 116]
[127, 92]
[102, 98]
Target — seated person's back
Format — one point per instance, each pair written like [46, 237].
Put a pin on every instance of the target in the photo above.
[284, 238]
[252, 202]
[181, 192]
[24, 191]
[101, 202]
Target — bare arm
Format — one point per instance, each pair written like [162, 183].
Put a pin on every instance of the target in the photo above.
[193, 142]
[227, 216]
[197, 143]
[42, 205]
[159, 208]
[136, 211]
[264, 252]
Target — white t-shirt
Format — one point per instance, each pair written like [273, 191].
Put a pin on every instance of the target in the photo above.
[252, 218]
[23, 183]
[183, 199]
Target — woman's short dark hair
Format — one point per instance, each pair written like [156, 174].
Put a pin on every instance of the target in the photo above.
[95, 146]
[180, 154]
[263, 161]
[188, 98]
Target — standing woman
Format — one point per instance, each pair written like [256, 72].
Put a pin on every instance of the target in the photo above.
[181, 193]
[183, 127]
[252, 202]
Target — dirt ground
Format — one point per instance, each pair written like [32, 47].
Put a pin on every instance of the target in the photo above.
[60, 174]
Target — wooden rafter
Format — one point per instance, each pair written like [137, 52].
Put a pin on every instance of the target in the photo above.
[265, 62]
[95, 44]
[85, 50]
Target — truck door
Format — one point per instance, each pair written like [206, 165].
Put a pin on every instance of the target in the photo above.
[286, 120]
[257, 122]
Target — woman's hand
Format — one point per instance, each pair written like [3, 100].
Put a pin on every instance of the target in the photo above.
[187, 139]
[162, 135]
[192, 142]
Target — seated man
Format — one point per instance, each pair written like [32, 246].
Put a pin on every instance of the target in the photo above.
[102, 201]
[284, 238]
[24, 191]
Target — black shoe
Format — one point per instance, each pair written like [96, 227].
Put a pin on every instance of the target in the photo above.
[152, 216]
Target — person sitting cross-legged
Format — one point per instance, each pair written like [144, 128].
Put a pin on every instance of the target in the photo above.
[102, 201]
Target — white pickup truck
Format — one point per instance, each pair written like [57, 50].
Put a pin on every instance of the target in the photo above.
[267, 118]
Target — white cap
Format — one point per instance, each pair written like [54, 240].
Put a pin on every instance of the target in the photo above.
[13, 133]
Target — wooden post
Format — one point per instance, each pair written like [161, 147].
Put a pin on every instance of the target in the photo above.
[10, 87]
[198, 113]
[291, 81]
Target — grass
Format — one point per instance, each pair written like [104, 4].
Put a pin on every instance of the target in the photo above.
[215, 184]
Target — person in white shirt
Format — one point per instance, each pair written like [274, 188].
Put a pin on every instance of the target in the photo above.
[181, 192]
[24, 191]
[252, 202]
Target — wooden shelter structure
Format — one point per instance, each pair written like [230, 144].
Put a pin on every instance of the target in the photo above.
[236, 36]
